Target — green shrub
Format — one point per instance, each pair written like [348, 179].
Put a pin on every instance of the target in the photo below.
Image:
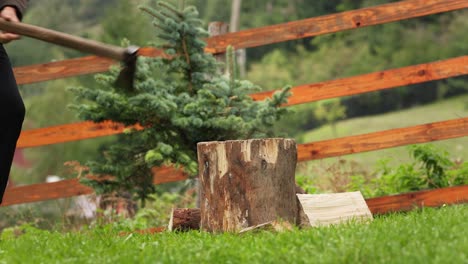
[431, 168]
[434, 163]
[180, 101]
[458, 175]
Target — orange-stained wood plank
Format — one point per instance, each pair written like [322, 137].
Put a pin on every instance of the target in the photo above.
[301, 94]
[72, 67]
[44, 191]
[409, 201]
[258, 36]
[333, 23]
[70, 132]
[379, 205]
[168, 174]
[374, 81]
[61, 69]
[70, 188]
[383, 139]
[317, 150]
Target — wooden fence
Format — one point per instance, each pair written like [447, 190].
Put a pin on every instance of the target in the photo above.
[306, 93]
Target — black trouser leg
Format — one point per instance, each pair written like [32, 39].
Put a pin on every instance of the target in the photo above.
[11, 118]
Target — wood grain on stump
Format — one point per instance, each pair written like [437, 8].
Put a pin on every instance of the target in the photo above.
[245, 183]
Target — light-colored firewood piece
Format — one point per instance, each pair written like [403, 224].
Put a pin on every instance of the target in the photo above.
[334, 208]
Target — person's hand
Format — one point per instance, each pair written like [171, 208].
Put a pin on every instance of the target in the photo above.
[8, 13]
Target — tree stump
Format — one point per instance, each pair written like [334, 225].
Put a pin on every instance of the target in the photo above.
[245, 183]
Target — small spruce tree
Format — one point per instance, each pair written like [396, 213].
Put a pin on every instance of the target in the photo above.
[180, 101]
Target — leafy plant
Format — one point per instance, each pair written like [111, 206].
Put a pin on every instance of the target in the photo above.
[404, 178]
[431, 168]
[459, 174]
[434, 163]
[180, 99]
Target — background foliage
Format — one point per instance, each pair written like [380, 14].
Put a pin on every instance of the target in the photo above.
[180, 101]
[297, 62]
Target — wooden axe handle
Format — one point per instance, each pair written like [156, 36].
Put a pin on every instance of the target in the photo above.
[66, 40]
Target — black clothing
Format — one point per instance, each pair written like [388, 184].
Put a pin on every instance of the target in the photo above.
[11, 116]
[11, 106]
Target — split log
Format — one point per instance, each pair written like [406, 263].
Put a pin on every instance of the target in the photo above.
[334, 208]
[184, 219]
[246, 183]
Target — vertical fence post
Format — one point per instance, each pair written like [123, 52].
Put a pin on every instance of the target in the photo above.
[241, 54]
[216, 29]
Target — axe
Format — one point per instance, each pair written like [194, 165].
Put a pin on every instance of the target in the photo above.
[128, 56]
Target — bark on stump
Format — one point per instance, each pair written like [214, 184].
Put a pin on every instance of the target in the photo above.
[245, 183]
[184, 219]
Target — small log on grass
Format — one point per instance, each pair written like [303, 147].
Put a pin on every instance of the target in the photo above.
[184, 219]
[334, 208]
[245, 183]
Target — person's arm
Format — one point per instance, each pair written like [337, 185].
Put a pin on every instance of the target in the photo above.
[11, 10]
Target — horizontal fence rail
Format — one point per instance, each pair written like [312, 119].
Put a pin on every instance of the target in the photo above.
[383, 139]
[45, 191]
[72, 67]
[378, 205]
[306, 152]
[70, 132]
[321, 25]
[374, 81]
[409, 201]
[258, 36]
[70, 188]
[61, 69]
[301, 94]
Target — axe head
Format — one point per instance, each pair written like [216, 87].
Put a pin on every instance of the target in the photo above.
[126, 77]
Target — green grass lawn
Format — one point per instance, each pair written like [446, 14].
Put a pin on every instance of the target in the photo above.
[423, 236]
[445, 110]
